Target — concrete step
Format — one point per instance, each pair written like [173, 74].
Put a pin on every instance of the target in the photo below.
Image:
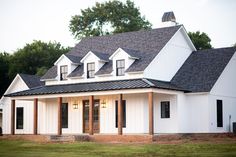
[68, 138]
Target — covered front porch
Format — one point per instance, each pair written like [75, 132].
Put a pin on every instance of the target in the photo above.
[129, 112]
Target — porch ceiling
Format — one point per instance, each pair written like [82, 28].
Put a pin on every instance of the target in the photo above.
[97, 86]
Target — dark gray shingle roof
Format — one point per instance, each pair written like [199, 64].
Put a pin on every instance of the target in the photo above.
[96, 86]
[79, 71]
[102, 56]
[148, 42]
[105, 69]
[31, 80]
[74, 59]
[51, 73]
[201, 70]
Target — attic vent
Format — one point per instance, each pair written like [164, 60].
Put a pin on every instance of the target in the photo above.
[168, 16]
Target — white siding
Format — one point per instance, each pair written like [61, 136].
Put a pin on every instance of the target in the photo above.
[165, 125]
[170, 58]
[196, 113]
[27, 117]
[224, 89]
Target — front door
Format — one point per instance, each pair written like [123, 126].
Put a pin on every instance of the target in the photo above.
[95, 116]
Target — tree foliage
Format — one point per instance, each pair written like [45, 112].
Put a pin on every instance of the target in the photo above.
[33, 58]
[200, 40]
[4, 66]
[234, 45]
[108, 18]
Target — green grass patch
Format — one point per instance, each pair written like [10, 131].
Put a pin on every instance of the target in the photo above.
[10, 148]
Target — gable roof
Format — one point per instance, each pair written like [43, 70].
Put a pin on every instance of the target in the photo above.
[31, 80]
[202, 69]
[148, 42]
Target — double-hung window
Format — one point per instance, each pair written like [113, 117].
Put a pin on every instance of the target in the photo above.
[120, 67]
[63, 72]
[19, 117]
[90, 70]
[165, 109]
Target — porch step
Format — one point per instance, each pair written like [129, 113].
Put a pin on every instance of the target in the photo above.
[68, 138]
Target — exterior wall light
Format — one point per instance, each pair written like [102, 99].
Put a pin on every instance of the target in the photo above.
[75, 106]
[103, 104]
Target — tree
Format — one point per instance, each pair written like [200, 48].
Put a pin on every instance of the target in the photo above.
[35, 58]
[200, 40]
[108, 18]
[4, 66]
[234, 45]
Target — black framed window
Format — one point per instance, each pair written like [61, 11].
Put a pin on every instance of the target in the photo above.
[219, 112]
[124, 113]
[120, 67]
[90, 70]
[64, 116]
[63, 72]
[165, 109]
[19, 117]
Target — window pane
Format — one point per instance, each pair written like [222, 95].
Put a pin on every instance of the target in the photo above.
[19, 117]
[165, 109]
[90, 70]
[65, 115]
[63, 72]
[219, 111]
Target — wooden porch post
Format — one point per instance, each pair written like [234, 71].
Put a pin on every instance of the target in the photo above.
[120, 115]
[150, 107]
[13, 102]
[35, 116]
[91, 106]
[59, 126]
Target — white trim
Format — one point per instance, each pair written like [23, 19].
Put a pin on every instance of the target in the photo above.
[89, 53]
[62, 56]
[119, 49]
[188, 39]
[135, 72]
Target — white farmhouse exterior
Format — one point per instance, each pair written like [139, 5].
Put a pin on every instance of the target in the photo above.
[144, 82]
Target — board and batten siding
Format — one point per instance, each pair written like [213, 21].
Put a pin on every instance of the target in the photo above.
[225, 90]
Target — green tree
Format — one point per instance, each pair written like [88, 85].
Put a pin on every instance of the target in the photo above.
[108, 18]
[234, 45]
[35, 58]
[200, 40]
[4, 66]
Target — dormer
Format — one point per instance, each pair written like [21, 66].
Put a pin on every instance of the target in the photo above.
[65, 65]
[93, 61]
[122, 58]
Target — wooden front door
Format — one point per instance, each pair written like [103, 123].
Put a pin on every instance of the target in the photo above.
[96, 118]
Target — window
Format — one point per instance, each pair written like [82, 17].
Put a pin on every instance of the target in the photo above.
[19, 117]
[63, 72]
[165, 109]
[90, 70]
[120, 67]
[124, 113]
[219, 112]
[64, 116]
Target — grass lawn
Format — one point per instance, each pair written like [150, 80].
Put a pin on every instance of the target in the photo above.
[17, 148]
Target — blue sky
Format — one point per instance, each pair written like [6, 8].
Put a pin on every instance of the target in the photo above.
[23, 21]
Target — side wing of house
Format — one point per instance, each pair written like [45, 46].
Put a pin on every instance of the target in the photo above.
[223, 94]
[17, 85]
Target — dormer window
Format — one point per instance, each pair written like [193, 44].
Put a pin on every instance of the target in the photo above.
[120, 67]
[63, 72]
[90, 70]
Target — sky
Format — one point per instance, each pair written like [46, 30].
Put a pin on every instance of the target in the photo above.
[22, 21]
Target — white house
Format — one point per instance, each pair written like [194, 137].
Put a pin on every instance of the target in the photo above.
[143, 82]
